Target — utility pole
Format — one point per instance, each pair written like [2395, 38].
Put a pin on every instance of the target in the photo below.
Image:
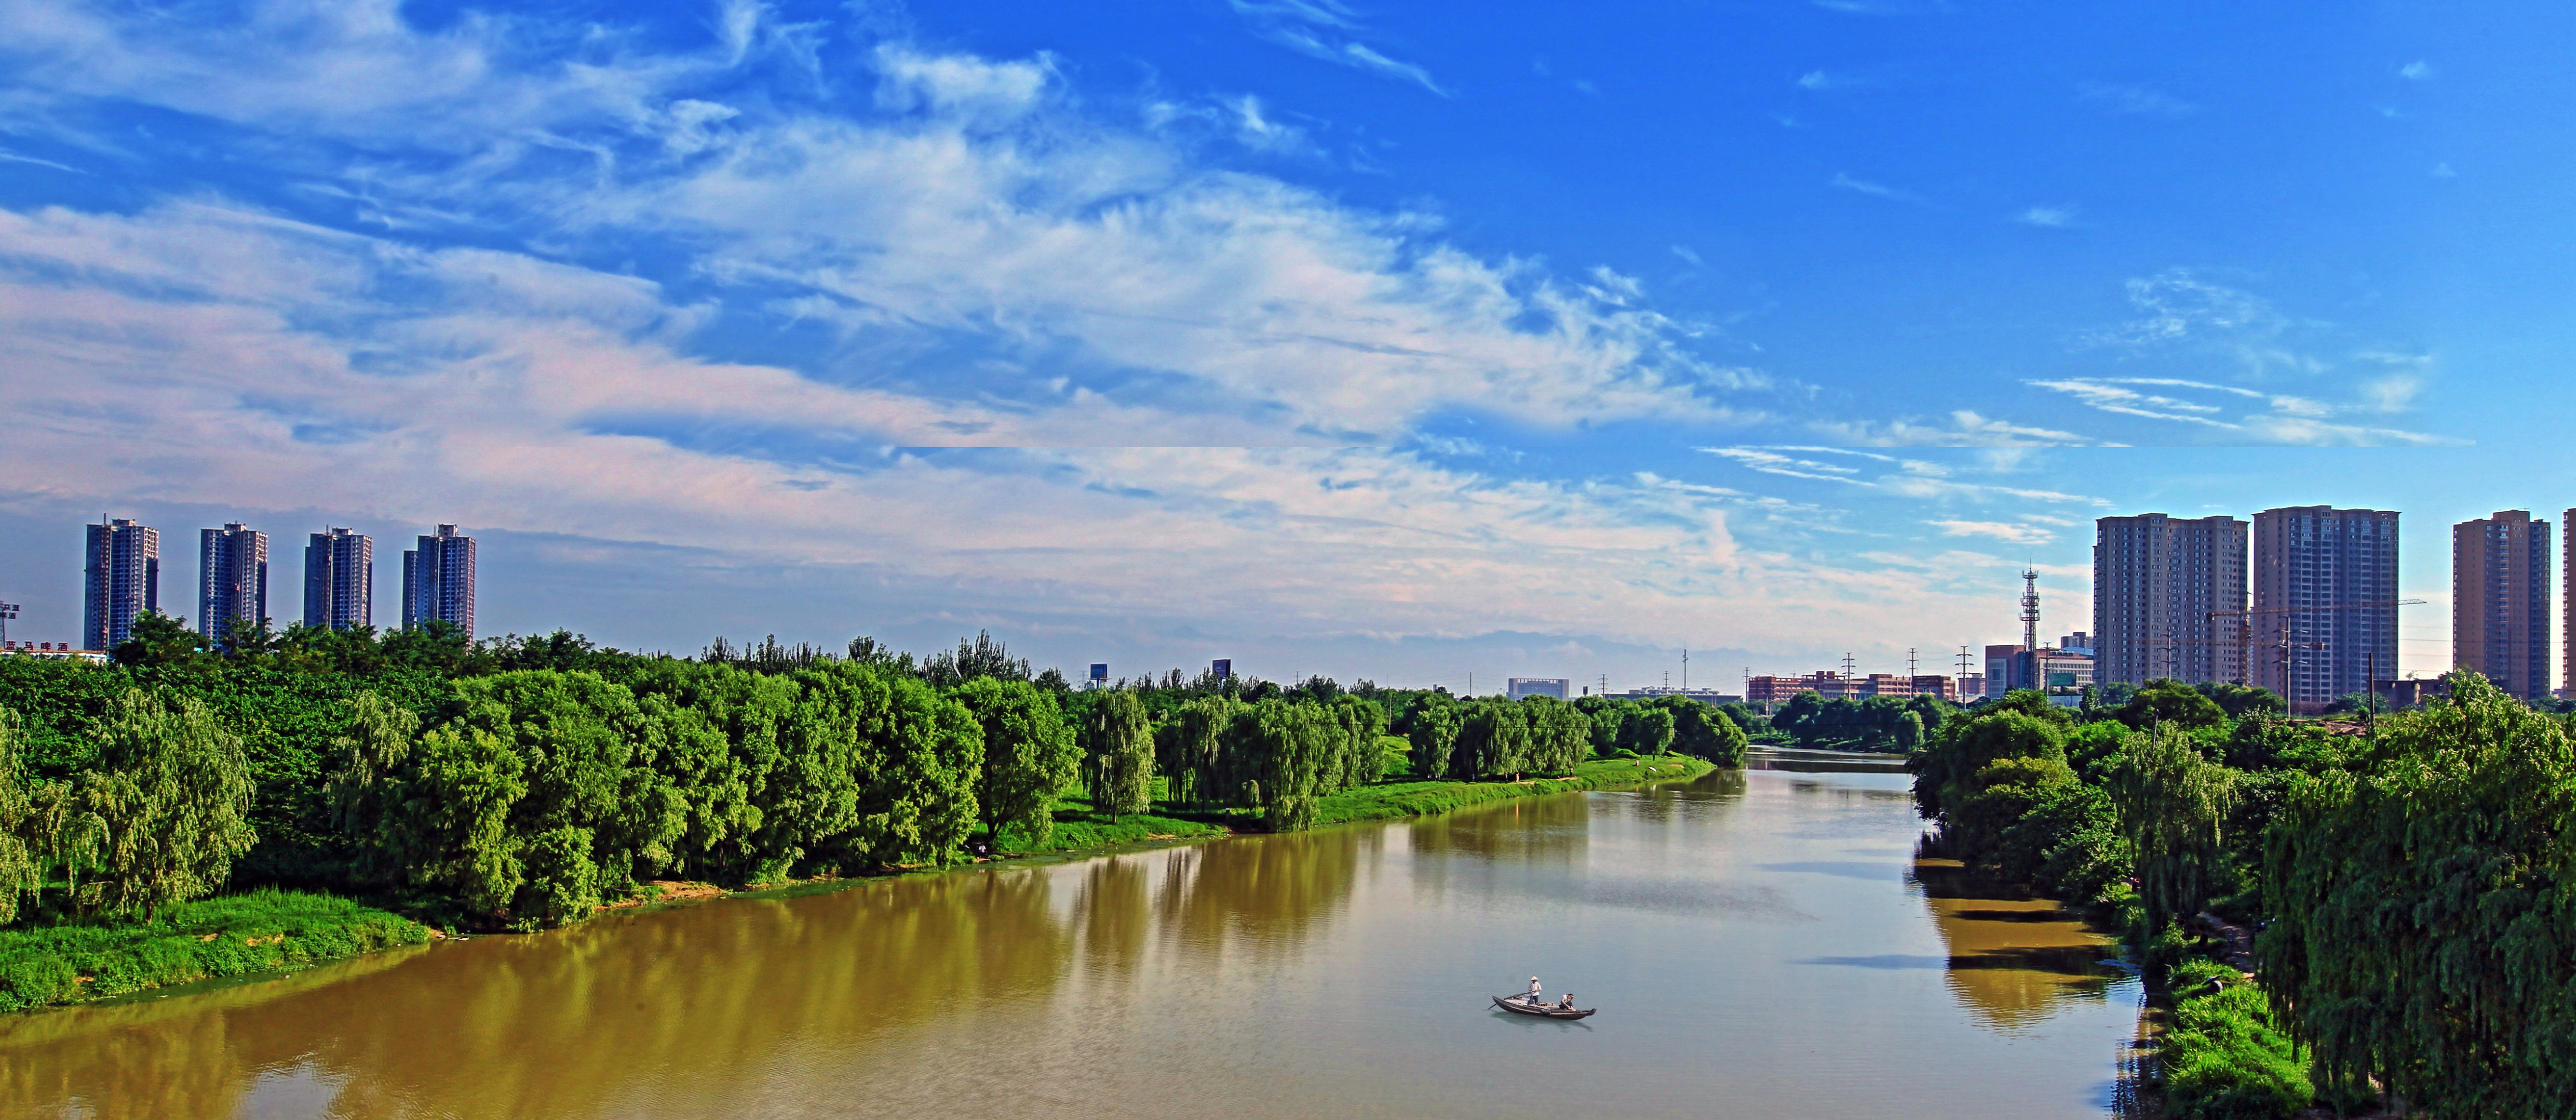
[1847, 665]
[1685, 668]
[1910, 670]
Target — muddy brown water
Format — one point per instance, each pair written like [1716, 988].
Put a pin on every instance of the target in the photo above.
[1760, 943]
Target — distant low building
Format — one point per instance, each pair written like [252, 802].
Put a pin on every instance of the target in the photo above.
[1518, 687]
[61, 650]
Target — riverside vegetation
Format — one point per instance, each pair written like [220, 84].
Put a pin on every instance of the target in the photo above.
[522, 783]
[2413, 877]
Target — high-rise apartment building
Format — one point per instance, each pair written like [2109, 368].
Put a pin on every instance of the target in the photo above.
[2156, 580]
[2500, 601]
[122, 580]
[2325, 602]
[339, 580]
[2567, 625]
[232, 578]
[438, 581]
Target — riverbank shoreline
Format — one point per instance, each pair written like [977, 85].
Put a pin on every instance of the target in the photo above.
[242, 936]
[217, 938]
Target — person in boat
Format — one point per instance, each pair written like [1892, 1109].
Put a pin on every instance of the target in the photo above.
[1567, 1002]
[1534, 991]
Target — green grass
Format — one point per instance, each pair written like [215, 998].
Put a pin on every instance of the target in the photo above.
[1077, 829]
[1389, 800]
[236, 935]
[2223, 1059]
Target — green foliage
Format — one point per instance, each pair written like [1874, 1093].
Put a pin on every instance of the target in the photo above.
[1118, 755]
[2172, 806]
[231, 936]
[1029, 753]
[174, 794]
[2224, 1058]
[1188, 749]
[1647, 730]
[2068, 843]
[1431, 725]
[2165, 702]
[2241, 700]
[2424, 911]
[1413, 799]
[1842, 723]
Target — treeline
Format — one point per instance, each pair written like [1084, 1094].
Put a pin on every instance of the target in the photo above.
[528, 780]
[2413, 876]
[1876, 723]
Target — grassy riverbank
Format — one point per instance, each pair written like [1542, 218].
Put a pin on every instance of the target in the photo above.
[1418, 799]
[261, 931]
[1078, 829]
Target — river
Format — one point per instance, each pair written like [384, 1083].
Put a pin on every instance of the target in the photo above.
[1760, 943]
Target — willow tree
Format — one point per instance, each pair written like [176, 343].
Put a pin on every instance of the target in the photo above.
[1187, 750]
[379, 738]
[174, 791]
[1118, 755]
[1288, 750]
[1431, 727]
[20, 874]
[2171, 803]
[2424, 911]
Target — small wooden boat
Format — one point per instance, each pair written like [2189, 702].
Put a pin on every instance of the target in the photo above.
[1521, 1005]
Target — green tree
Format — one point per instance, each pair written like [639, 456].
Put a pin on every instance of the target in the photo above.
[1431, 725]
[1187, 748]
[379, 739]
[1118, 755]
[1647, 730]
[2423, 906]
[1909, 733]
[1286, 749]
[1029, 754]
[158, 639]
[2172, 804]
[2165, 702]
[174, 791]
[2241, 700]
[21, 876]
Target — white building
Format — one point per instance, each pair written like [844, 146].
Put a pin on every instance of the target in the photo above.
[1518, 687]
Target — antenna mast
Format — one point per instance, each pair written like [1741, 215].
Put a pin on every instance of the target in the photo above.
[2029, 608]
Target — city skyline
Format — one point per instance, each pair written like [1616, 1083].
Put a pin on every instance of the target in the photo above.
[1561, 341]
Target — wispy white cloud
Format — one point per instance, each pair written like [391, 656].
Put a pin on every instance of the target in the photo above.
[1963, 428]
[2048, 217]
[1842, 181]
[7, 156]
[2417, 71]
[1328, 30]
[2005, 531]
[2290, 419]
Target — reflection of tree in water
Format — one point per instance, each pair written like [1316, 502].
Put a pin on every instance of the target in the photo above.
[1114, 915]
[1706, 797]
[1270, 892]
[2012, 960]
[1546, 830]
[563, 1024]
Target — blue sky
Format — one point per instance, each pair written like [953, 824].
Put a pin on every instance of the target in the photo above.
[1370, 340]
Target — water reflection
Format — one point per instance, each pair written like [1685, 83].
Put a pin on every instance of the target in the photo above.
[1343, 970]
[1824, 762]
[2012, 960]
